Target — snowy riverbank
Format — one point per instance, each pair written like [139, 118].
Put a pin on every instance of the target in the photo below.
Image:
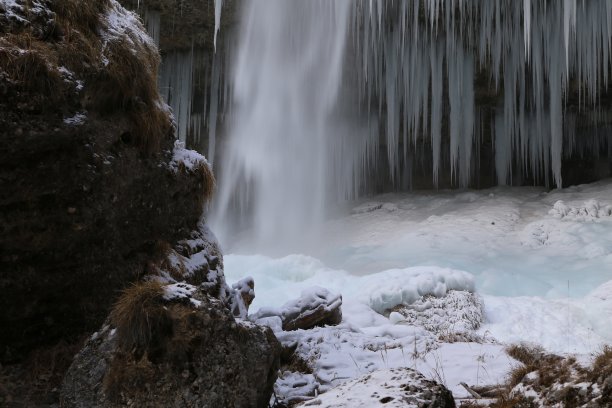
[540, 263]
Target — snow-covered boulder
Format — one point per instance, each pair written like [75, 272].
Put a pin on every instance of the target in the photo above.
[395, 387]
[243, 293]
[457, 314]
[315, 307]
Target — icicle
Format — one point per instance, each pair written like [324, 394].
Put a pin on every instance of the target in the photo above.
[176, 87]
[569, 22]
[152, 19]
[527, 26]
[218, 8]
[437, 86]
[214, 104]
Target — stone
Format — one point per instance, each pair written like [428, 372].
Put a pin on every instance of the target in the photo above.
[315, 307]
[207, 359]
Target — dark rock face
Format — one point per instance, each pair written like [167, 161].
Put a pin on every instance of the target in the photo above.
[205, 359]
[87, 195]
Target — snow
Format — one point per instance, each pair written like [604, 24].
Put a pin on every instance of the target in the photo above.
[538, 269]
[391, 387]
[189, 158]
[76, 120]
[181, 290]
[310, 299]
[125, 25]
[12, 10]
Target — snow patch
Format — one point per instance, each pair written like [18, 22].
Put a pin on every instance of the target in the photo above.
[76, 120]
[189, 158]
[181, 291]
[12, 10]
[591, 210]
[125, 25]
[395, 387]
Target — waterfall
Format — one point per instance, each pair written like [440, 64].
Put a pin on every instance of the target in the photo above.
[430, 81]
[284, 139]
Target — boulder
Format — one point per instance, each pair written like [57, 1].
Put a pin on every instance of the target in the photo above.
[395, 387]
[173, 346]
[453, 317]
[243, 294]
[315, 307]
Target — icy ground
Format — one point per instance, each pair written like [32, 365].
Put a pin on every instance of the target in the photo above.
[540, 261]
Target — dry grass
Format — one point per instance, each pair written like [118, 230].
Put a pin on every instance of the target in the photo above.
[209, 181]
[528, 355]
[30, 65]
[133, 371]
[602, 365]
[556, 378]
[140, 318]
[84, 14]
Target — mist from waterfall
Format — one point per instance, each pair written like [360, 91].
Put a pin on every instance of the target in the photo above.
[283, 140]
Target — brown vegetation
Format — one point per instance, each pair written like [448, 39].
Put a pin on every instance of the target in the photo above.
[554, 379]
[140, 317]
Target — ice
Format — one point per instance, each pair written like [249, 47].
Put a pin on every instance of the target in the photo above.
[176, 87]
[382, 291]
[552, 47]
[152, 20]
[218, 10]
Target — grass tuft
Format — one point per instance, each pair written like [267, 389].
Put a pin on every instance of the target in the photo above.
[140, 317]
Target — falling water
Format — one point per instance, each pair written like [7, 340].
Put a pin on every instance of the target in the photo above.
[436, 74]
[286, 87]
